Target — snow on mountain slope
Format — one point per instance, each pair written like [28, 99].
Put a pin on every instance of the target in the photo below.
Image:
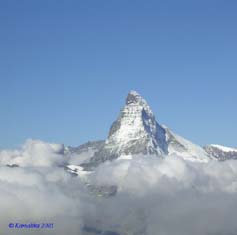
[136, 129]
[84, 152]
[77, 170]
[220, 152]
[183, 148]
[224, 148]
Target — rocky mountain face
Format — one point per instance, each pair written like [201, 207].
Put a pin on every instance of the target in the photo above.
[221, 153]
[136, 132]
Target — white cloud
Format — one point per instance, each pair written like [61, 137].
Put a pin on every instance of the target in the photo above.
[172, 196]
[155, 196]
[34, 153]
[39, 194]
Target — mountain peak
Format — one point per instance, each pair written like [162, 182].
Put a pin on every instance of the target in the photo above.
[134, 97]
[136, 130]
[133, 92]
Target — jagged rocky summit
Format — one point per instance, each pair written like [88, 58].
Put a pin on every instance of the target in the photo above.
[137, 132]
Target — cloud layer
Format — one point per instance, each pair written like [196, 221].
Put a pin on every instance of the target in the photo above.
[171, 196]
[34, 153]
[154, 196]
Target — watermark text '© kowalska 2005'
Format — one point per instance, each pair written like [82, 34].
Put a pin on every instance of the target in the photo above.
[17, 225]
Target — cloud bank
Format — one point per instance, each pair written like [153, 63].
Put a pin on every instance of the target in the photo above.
[154, 196]
[171, 196]
[34, 153]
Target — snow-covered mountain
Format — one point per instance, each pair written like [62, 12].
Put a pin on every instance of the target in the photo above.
[135, 132]
[220, 152]
[184, 148]
[84, 152]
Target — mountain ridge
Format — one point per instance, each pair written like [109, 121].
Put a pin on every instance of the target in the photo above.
[136, 131]
[220, 152]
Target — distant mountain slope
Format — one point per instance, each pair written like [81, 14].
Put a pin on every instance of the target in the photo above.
[184, 148]
[220, 152]
[84, 152]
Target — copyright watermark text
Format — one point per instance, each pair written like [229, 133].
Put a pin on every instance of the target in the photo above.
[31, 225]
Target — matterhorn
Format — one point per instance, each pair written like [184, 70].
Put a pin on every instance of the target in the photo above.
[137, 132]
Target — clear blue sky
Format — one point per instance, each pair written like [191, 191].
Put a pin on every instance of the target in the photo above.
[66, 67]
